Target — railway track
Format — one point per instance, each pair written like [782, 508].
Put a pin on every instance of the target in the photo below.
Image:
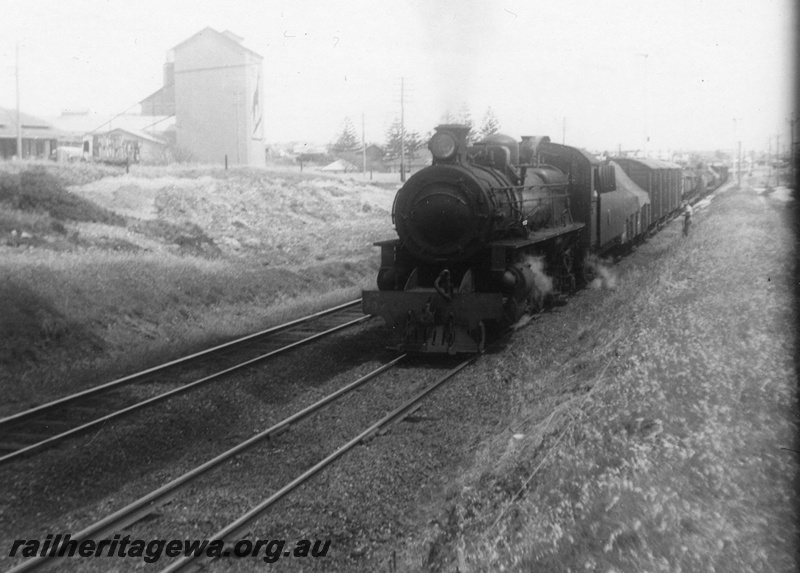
[239, 527]
[43, 426]
[149, 503]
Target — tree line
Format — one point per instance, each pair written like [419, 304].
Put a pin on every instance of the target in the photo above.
[347, 140]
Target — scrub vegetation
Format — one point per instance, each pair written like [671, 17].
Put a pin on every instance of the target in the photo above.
[104, 272]
[658, 432]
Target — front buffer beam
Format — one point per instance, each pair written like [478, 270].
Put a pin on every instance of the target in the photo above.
[423, 321]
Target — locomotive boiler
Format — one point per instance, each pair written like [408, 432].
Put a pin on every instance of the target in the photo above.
[485, 234]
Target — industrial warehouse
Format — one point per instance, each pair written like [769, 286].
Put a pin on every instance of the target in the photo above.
[208, 111]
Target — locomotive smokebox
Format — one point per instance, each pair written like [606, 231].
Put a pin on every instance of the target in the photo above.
[442, 212]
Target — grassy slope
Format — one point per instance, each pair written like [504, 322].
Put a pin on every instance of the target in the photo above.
[650, 437]
[117, 272]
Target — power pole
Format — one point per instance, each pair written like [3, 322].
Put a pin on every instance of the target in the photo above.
[363, 147]
[19, 116]
[644, 89]
[769, 160]
[739, 171]
[238, 126]
[792, 153]
[402, 132]
[739, 156]
[563, 130]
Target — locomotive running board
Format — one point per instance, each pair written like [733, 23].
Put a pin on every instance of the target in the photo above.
[539, 236]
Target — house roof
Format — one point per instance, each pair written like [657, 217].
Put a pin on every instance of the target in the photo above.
[227, 37]
[166, 93]
[90, 122]
[309, 149]
[139, 134]
[32, 127]
[340, 165]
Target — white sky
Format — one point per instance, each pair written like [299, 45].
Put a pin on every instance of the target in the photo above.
[534, 62]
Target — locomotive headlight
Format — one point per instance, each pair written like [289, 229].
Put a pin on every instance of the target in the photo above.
[442, 146]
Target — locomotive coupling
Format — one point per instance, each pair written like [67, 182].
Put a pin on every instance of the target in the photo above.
[422, 320]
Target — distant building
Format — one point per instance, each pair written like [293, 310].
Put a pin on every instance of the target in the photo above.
[39, 137]
[137, 138]
[422, 158]
[373, 155]
[212, 84]
[129, 144]
[162, 102]
[310, 153]
[341, 166]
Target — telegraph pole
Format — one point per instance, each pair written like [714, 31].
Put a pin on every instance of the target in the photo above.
[238, 126]
[739, 171]
[644, 89]
[563, 130]
[363, 147]
[19, 116]
[792, 153]
[739, 156]
[769, 159]
[769, 152]
[402, 132]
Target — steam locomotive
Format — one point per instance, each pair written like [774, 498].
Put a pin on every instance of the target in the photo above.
[492, 231]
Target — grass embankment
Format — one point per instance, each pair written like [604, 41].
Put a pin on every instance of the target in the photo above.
[114, 274]
[657, 439]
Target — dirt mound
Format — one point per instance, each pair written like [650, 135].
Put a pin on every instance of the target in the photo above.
[275, 215]
[281, 217]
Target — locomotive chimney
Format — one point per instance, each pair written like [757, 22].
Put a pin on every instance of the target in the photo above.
[460, 132]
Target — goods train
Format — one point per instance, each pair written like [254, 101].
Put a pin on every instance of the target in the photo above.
[492, 231]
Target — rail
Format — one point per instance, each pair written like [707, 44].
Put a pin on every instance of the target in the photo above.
[13, 422]
[145, 505]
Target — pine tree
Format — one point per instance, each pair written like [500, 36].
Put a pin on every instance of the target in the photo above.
[393, 139]
[413, 142]
[465, 118]
[347, 141]
[490, 124]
